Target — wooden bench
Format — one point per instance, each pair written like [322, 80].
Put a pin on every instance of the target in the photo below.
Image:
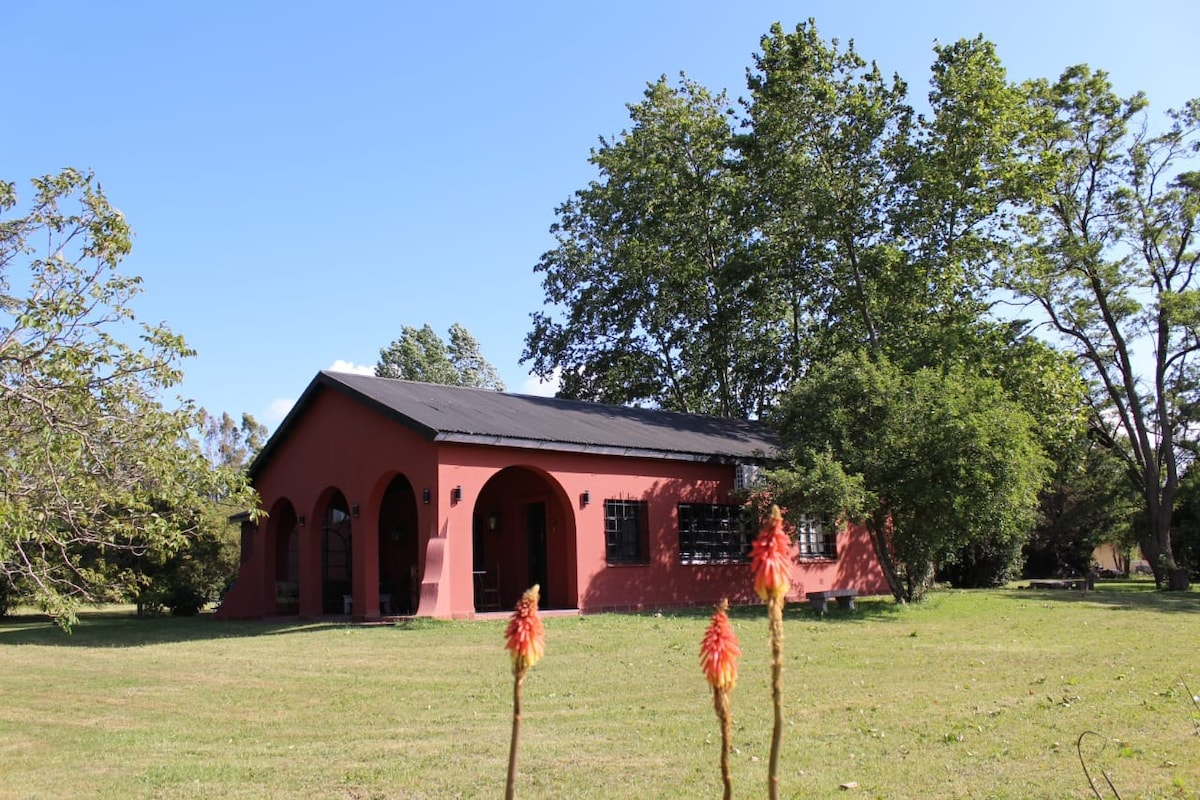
[820, 600]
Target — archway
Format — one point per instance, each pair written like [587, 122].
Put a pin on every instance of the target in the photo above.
[523, 533]
[336, 564]
[399, 578]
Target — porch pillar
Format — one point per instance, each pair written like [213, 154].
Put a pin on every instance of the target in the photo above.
[310, 565]
[364, 535]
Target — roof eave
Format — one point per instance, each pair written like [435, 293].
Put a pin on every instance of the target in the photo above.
[580, 448]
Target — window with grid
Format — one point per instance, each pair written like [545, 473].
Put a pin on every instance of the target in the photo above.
[627, 531]
[815, 537]
[713, 534]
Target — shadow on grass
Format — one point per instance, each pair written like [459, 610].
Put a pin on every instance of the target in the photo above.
[1120, 595]
[865, 608]
[126, 629]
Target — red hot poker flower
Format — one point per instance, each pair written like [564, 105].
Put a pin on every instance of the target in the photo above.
[769, 557]
[525, 637]
[719, 650]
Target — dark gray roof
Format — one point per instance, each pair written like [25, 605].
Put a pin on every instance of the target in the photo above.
[480, 416]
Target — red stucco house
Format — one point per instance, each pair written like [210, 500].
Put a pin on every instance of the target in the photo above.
[387, 497]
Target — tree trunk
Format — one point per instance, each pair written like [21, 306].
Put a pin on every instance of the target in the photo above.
[1156, 547]
[1178, 580]
[879, 531]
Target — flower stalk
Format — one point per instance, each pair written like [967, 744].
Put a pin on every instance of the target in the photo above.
[719, 651]
[769, 557]
[525, 639]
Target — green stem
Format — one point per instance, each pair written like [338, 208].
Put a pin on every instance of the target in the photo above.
[775, 615]
[510, 785]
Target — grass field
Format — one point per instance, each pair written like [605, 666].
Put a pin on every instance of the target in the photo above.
[971, 694]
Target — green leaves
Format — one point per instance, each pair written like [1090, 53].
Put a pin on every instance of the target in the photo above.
[929, 460]
[94, 466]
[652, 296]
[421, 355]
[1107, 252]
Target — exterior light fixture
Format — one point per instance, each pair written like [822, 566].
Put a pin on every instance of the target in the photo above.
[354, 510]
[456, 494]
[425, 496]
[585, 498]
[300, 520]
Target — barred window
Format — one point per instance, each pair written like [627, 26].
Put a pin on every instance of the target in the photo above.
[710, 534]
[626, 531]
[815, 537]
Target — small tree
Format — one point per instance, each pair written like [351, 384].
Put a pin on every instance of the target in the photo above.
[928, 461]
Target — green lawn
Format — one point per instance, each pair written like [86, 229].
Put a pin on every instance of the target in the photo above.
[972, 694]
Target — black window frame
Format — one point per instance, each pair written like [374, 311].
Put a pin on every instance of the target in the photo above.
[626, 531]
[713, 533]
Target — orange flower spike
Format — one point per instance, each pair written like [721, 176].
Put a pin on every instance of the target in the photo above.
[719, 650]
[769, 557]
[525, 637]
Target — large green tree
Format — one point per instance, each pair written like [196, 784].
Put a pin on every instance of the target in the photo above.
[421, 355]
[1107, 254]
[651, 297]
[717, 256]
[878, 225]
[95, 467]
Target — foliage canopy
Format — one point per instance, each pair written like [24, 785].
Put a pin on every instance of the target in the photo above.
[97, 473]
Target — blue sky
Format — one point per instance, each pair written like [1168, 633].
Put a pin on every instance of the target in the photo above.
[306, 178]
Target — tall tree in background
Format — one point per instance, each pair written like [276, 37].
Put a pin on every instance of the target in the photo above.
[421, 355]
[824, 130]
[659, 301]
[878, 225]
[94, 468]
[1108, 257]
[230, 444]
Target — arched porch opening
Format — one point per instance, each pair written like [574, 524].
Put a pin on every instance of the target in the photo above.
[336, 563]
[523, 532]
[285, 558]
[399, 576]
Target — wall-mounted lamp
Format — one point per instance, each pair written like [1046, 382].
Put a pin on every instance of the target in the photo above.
[425, 496]
[300, 520]
[456, 494]
[354, 510]
[493, 522]
[585, 498]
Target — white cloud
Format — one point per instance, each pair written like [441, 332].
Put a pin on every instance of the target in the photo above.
[542, 388]
[277, 410]
[351, 367]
